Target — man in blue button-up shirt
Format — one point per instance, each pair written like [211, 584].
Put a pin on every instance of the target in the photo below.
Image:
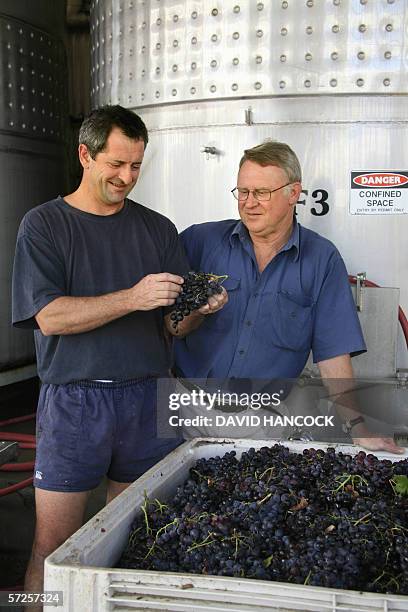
[288, 288]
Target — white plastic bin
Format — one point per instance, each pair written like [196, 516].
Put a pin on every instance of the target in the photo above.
[82, 566]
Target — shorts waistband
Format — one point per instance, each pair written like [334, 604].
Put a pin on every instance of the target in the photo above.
[114, 384]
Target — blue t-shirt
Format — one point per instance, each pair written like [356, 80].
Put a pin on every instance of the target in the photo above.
[63, 251]
[302, 301]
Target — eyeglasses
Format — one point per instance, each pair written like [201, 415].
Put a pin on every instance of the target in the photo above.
[261, 195]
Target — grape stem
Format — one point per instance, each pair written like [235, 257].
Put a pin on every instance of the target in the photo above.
[203, 543]
[160, 506]
[158, 532]
[391, 580]
[144, 510]
[269, 469]
[239, 539]
[362, 519]
[261, 501]
[193, 471]
[345, 478]
[133, 536]
[219, 279]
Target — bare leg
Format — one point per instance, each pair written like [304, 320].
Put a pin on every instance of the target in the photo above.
[114, 488]
[59, 515]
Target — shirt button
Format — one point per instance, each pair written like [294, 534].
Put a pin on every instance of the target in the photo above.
[249, 323]
[241, 352]
[256, 294]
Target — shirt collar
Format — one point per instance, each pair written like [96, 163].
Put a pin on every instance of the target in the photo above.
[240, 232]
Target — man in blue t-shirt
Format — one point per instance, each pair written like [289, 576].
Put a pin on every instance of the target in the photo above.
[93, 276]
[287, 286]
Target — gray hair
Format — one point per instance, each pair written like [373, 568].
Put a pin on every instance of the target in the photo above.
[95, 129]
[274, 153]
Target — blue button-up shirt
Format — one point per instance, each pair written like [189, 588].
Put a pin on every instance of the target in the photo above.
[300, 302]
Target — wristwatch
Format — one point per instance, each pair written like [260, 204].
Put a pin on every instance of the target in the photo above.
[348, 425]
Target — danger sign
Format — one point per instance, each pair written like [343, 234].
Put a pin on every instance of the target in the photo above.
[380, 192]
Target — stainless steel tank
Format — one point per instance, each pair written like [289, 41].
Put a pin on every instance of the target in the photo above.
[212, 78]
[32, 98]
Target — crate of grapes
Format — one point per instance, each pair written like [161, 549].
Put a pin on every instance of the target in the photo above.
[241, 525]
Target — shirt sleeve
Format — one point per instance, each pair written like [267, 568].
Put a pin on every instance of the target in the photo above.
[38, 275]
[337, 329]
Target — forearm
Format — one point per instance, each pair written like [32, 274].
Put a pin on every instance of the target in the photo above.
[75, 315]
[184, 327]
[338, 378]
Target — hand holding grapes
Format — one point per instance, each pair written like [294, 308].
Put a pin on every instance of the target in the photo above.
[202, 293]
[155, 290]
[215, 303]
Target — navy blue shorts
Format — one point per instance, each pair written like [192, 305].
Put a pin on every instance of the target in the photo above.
[87, 429]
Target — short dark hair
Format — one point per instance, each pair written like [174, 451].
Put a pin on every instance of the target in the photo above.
[97, 126]
[274, 153]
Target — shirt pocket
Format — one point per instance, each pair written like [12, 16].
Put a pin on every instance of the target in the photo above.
[292, 321]
[222, 320]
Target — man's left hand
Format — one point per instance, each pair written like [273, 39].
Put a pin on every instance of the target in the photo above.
[379, 444]
[215, 303]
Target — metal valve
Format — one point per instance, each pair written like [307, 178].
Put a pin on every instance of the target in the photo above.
[209, 151]
[361, 279]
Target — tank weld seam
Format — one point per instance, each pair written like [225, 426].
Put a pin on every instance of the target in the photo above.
[270, 123]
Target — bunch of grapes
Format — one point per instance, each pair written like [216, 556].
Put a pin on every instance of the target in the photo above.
[318, 518]
[196, 289]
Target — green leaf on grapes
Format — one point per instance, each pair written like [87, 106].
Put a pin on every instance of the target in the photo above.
[268, 561]
[400, 483]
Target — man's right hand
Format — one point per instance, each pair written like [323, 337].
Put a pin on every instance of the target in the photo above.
[156, 290]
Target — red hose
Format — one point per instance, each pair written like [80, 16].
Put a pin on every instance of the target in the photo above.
[19, 587]
[25, 441]
[401, 315]
[17, 437]
[403, 322]
[20, 419]
[17, 467]
[16, 487]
